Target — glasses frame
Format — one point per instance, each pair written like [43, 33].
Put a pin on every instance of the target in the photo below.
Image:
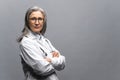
[34, 19]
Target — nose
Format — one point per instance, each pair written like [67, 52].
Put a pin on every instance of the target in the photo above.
[37, 22]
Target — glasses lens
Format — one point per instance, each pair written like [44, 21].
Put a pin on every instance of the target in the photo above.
[35, 19]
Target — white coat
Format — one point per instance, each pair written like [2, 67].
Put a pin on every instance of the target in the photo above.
[34, 48]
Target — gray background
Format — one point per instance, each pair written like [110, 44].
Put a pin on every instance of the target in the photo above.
[87, 32]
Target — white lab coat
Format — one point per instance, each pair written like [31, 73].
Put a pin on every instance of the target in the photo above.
[34, 48]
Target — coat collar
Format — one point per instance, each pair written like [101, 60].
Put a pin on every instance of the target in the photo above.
[33, 35]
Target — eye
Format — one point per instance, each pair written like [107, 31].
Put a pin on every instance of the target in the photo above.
[36, 19]
[33, 18]
[40, 18]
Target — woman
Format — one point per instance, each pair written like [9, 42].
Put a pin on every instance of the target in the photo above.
[39, 58]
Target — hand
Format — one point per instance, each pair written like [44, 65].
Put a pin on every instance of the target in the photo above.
[48, 59]
[55, 54]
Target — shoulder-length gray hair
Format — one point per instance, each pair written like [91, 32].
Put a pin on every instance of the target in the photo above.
[26, 25]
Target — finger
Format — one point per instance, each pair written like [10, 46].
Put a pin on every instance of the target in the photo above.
[56, 55]
[53, 54]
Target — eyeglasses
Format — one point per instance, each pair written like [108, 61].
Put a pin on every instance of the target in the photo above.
[35, 19]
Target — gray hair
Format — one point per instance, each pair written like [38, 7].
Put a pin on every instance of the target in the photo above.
[26, 25]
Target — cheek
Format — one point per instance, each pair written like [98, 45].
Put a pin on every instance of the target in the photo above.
[30, 24]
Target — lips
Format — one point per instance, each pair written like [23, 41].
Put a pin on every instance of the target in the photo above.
[37, 27]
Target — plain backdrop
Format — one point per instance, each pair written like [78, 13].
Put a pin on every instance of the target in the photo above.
[86, 32]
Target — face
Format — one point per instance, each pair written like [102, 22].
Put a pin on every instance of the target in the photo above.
[36, 20]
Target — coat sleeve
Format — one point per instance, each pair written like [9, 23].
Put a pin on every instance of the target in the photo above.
[57, 62]
[34, 57]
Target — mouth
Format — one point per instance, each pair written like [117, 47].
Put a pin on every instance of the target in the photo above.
[37, 27]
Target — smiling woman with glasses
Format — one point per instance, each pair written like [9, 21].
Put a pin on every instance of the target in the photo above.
[40, 59]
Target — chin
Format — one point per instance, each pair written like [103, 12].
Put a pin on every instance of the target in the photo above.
[37, 31]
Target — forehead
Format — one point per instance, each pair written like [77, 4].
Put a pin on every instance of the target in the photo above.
[36, 14]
